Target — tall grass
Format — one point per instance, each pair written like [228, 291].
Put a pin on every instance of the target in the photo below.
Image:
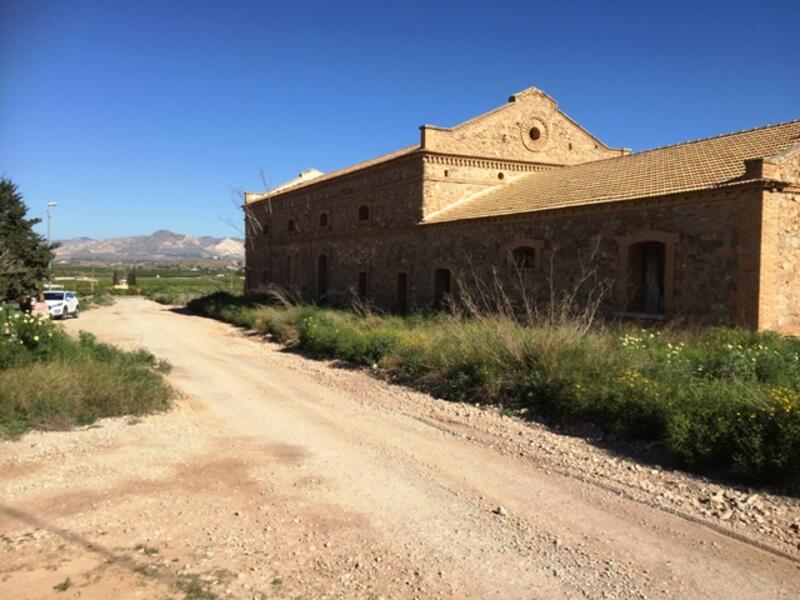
[51, 381]
[716, 400]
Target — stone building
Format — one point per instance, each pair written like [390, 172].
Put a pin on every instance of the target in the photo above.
[524, 198]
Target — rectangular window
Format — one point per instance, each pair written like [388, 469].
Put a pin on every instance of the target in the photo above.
[402, 292]
[362, 285]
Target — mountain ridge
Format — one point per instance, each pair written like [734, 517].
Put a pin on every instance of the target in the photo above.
[160, 246]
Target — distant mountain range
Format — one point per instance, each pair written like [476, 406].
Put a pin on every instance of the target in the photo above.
[162, 246]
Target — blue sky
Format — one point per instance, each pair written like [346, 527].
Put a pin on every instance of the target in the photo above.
[137, 116]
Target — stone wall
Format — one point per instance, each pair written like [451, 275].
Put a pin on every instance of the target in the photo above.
[391, 193]
[708, 250]
[780, 309]
[712, 246]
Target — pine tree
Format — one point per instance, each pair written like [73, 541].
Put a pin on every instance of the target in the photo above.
[132, 277]
[24, 254]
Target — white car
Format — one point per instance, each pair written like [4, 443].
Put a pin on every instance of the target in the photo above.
[62, 304]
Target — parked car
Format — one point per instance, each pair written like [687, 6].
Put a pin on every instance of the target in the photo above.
[62, 304]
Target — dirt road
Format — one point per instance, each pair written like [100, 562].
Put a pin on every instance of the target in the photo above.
[277, 476]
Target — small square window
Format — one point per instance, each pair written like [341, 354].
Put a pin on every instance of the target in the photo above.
[524, 258]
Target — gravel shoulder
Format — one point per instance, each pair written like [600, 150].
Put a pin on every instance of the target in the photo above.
[280, 476]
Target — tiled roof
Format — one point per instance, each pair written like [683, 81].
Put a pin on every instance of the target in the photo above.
[696, 165]
[333, 174]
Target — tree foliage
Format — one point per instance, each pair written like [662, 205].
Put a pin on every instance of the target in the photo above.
[132, 277]
[24, 254]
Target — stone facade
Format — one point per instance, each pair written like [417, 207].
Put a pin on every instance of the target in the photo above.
[726, 255]
[505, 133]
[780, 271]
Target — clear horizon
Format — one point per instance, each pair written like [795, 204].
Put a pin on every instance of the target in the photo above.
[149, 116]
[144, 234]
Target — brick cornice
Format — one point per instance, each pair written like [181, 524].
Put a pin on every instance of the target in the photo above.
[461, 160]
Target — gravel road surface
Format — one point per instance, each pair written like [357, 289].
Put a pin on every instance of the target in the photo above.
[277, 476]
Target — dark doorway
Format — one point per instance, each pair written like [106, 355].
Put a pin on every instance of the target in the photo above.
[362, 285]
[441, 287]
[322, 276]
[402, 293]
[647, 261]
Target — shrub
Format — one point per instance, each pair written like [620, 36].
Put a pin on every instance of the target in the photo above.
[716, 400]
[49, 380]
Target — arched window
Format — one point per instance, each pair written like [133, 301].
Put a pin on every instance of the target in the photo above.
[323, 219]
[647, 273]
[524, 258]
[525, 255]
[290, 225]
[363, 213]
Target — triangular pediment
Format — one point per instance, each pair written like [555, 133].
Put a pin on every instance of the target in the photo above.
[529, 127]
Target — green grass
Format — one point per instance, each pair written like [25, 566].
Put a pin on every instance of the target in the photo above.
[49, 380]
[167, 285]
[180, 290]
[720, 401]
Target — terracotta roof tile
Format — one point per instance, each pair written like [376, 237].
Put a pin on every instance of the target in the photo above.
[333, 174]
[696, 165]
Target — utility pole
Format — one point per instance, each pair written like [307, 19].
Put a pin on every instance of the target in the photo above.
[50, 264]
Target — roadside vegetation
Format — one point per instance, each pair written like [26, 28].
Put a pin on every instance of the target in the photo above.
[717, 401]
[167, 284]
[49, 380]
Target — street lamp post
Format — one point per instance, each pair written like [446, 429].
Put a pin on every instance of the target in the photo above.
[50, 264]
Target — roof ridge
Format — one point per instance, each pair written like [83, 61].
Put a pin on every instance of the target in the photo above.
[709, 138]
[346, 170]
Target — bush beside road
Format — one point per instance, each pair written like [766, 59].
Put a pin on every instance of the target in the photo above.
[49, 380]
[716, 401]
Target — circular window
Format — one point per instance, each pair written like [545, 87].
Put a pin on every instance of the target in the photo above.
[534, 133]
